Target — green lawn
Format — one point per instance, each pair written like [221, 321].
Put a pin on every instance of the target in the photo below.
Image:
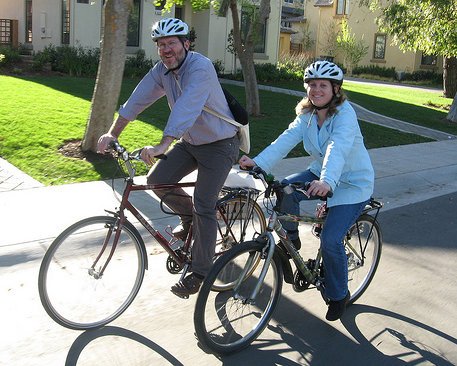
[39, 114]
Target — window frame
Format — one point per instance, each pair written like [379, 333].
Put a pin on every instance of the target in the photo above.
[65, 33]
[342, 10]
[375, 49]
[28, 21]
[260, 46]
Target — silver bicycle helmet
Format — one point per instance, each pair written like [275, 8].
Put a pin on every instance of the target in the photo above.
[324, 70]
[168, 27]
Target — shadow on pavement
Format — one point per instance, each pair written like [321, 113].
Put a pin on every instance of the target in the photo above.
[89, 336]
[321, 344]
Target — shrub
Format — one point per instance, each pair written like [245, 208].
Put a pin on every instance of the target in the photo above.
[137, 65]
[75, 61]
[375, 70]
[10, 56]
[219, 67]
[423, 75]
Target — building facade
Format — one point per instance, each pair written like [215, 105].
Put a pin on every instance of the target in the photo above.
[41, 23]
[315, 31]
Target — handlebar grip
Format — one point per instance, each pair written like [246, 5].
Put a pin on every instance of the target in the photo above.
[306, 185]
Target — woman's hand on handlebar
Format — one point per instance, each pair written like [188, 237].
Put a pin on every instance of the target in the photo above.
[318, 188]
[246, 162]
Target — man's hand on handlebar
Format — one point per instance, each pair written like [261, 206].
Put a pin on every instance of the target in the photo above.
[103, 144]
[149, 153]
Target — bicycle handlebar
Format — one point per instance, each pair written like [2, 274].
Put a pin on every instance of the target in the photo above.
[271, 184]
[134, 155]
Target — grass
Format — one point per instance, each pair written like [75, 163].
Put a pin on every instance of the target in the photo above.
[39, 114]
[423, 107]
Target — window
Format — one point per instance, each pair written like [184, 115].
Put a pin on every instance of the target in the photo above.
[82, 1]
[259, 41]
[179, 12]
[342, 7]
[28, 21]
[65, 21]
[159, 6]
[428, 60]
[379, 47]
[133, 35]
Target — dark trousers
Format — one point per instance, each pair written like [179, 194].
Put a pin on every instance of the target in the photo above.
[213, 163]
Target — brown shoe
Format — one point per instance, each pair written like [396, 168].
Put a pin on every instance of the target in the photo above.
[188, 286]
[180, 232]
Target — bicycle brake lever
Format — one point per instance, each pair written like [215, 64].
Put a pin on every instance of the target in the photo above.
[136, 155]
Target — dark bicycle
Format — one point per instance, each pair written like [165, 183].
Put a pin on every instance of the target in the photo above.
[229, 321]
[93, 270]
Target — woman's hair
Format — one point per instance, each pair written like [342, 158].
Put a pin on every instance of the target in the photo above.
[305, 105]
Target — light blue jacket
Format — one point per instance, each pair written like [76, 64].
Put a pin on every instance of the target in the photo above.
[340, 156]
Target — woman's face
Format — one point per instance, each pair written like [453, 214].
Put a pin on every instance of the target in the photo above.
[320, 92]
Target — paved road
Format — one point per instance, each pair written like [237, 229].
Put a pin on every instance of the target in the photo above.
[407, 316]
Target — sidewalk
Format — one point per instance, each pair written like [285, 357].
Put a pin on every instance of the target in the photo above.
[404, 175]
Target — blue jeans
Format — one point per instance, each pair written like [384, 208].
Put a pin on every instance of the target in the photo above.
[339, 219]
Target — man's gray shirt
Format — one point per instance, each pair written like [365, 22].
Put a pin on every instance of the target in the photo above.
[199, 87]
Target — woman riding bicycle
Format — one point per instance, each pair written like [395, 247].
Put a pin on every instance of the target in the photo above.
[327, 125]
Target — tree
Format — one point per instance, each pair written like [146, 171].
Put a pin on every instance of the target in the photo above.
[352, 50]
[110, 71]
[427, 26]
[112, 59]
[243, 44]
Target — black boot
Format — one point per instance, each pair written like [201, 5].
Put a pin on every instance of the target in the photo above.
[336, 308]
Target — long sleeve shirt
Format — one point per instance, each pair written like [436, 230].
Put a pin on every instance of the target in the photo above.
[198, 87]
[339, 154]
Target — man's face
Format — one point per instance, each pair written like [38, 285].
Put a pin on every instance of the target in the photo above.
[172, 51]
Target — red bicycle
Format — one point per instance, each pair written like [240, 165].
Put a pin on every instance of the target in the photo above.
[94, 269]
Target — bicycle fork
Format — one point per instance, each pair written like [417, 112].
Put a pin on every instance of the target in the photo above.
[117, 232]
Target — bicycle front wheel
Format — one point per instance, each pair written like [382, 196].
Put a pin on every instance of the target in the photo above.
[73, 289]
[229, 321]
[239, 219]
[363, 249]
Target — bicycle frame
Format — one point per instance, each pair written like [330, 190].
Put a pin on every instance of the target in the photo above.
[125, 204]
[121, 218]
[311, 275]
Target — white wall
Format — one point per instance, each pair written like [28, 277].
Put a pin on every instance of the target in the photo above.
[14, 9]
[86, 24]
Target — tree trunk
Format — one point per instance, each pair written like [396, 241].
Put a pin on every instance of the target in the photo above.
[110, 71]
[245, 52]
[452, 115]
[450, 85]
[450, 76]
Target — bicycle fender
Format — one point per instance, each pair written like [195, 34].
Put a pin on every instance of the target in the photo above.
[286, 267]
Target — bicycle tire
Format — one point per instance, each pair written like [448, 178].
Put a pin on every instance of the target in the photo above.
[69, 289]
[361, 272]
[243, 220]
[227, 322]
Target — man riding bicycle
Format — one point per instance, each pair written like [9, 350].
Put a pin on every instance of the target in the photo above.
[205, 143]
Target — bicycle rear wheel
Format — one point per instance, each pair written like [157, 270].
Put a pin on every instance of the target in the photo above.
[229, 321]
[71, 289]
[239, 219]
[363, 248]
